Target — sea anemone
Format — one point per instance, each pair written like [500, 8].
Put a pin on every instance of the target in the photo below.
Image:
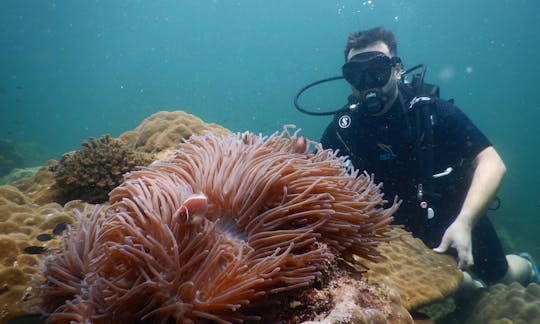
[225, 226]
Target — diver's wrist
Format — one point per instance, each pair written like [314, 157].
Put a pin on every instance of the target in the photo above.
[465, 219]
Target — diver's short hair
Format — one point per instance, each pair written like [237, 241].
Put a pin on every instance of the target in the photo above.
[365, 38]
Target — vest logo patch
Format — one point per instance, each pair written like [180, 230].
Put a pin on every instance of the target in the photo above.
[386, 153]
[344, 121]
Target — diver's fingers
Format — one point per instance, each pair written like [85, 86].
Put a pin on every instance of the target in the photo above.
[443, 246]
[465, 258]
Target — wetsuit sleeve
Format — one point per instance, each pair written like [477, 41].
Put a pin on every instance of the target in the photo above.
[460, 132]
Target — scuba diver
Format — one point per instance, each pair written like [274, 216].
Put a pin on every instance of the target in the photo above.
[427, 152]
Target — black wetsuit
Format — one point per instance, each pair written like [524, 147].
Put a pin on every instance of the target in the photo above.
[386, 147]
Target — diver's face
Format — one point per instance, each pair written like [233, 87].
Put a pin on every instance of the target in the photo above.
[391, 86]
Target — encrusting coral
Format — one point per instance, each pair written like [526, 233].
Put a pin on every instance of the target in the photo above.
[91, 173]
[225, 224]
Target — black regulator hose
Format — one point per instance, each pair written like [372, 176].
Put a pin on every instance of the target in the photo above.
[315, 113]
[333, 112]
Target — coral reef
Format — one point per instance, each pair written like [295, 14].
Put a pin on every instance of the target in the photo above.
[225, 227]
[355, 301]
[439, 310]
[17, 174]
[32, 224]
[40, 188]
[25, 229]
[90, 174]
[9, 158]
[508, 304]
[157, 134]
[419, 274]
[164, 130]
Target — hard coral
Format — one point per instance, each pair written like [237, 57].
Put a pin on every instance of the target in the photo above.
[508, 304]
[165, 129]
[90, 174]
[40, 188]
[225, 226]
[420, 275]
[25, 229]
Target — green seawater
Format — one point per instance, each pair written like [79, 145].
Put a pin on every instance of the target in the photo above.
[70, 70]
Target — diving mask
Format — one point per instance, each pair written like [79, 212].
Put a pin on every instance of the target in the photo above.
[369, 70]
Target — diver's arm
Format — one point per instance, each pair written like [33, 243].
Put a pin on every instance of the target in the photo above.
[488, 173]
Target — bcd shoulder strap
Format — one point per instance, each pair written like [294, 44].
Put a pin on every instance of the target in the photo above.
[422, 110]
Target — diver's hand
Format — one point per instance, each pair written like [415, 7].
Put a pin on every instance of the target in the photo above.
[458, 236]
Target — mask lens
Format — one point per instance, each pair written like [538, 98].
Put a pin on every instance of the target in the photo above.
[369, 73]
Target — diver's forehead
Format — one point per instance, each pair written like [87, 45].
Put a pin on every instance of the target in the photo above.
[375, 47]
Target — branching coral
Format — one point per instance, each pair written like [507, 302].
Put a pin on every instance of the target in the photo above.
[226, 224]
[90, 174]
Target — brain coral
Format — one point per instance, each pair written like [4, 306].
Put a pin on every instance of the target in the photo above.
[90, 174]
[223, 228]
[165, 129]
[25, 229]
[508, 304]
[41, 188]
[420, 275]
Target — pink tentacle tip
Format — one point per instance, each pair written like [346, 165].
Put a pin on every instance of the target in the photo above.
[246, 137]
[300, 145]
[194, 205]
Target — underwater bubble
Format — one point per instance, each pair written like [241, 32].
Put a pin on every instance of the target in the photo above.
[44, 237]
[34, 249]
[59, 228]
[447, 73]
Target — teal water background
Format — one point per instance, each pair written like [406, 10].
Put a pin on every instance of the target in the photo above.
[70, 70]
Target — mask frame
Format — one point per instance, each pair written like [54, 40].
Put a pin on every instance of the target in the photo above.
[369, 70]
